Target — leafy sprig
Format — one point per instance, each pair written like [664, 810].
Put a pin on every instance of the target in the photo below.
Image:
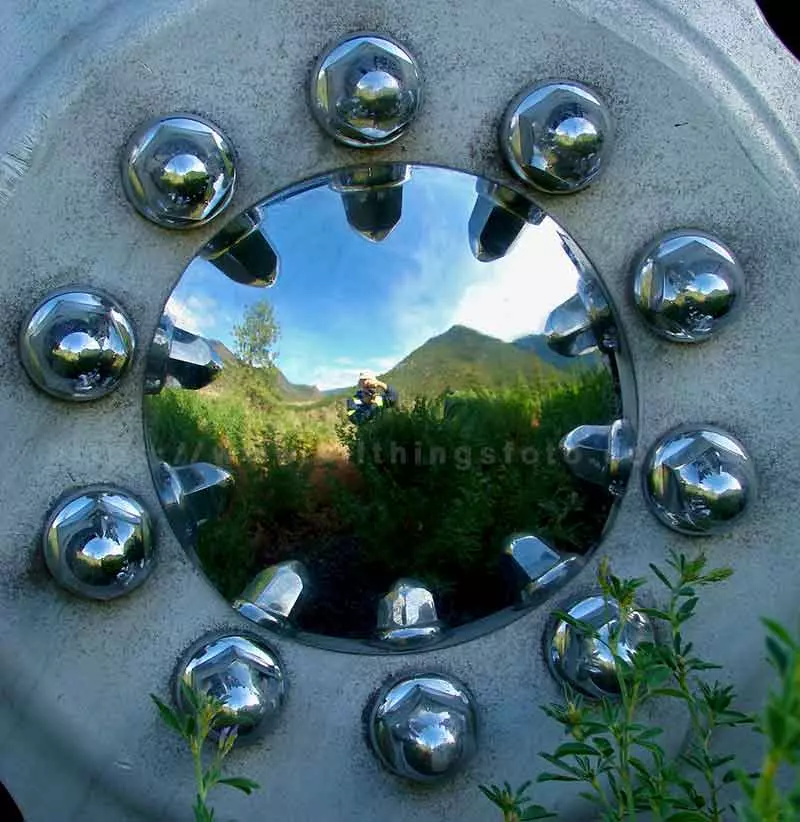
[194, 723]
[616, 757]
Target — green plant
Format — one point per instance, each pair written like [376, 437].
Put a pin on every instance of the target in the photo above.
[194, 726]
[613, 753]
[780, 724]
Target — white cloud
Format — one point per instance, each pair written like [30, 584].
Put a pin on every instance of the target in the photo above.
[520, 290]
[199, 313]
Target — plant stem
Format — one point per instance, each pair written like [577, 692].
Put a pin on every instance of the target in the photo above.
[700, 729]
[202, 793]
[764, 799]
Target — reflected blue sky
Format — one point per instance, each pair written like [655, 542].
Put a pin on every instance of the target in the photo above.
[346, 304]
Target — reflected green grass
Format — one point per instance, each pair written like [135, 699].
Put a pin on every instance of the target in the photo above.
[430, 489]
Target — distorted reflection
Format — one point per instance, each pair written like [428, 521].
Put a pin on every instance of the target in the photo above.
[385, 410]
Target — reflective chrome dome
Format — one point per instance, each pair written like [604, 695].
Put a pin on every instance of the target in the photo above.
[178, 171]
[424, 728]
[99, 543]
[557, 136]
[365, 90]
[77, 345]
[699, 480]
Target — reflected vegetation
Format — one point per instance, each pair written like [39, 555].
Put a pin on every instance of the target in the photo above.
[374, 363]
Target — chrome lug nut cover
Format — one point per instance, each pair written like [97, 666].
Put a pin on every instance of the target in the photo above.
[536, 569]
[584, 661]
[274, 595]
[407, 615]
[601, 454]
[178, 171]
[365, 90]
[77, 345]
[424, 728]
[686, 285]
[582, 324]
[244, 675]
[99, 543]
[699, 480]
[557, 136]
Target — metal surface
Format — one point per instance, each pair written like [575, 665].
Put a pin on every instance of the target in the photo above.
[707, 135]
[77, 344]
[272, 597]
[179, 358]
[601, 454]
[583, 323]
[178, 171]
[245, 675]
[407, 616]
[192, 495]
[424, 728]
[536, 570]
[243, 252]
[687, 284]
[365, 90]
[557, 136]
[358, 413]
[699, 480]
[584, 660]
[99, 543]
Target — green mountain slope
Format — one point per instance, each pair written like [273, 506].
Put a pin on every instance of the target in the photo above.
[462, 358]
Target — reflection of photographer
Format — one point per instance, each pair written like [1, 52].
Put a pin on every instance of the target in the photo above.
[370, 397]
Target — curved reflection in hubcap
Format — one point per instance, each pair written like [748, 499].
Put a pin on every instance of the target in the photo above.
[389, 403]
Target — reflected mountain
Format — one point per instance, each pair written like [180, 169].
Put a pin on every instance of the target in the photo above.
[462, 359]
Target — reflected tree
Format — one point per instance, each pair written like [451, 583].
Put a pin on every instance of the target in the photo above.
[256, 335]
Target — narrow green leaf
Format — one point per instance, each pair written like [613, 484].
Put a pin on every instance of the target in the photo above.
[778, 655]
[686, 611]
[168, 716]
[533, 812]
[563, 766]
[687, 816]
[241, 783]
[661, 575]
[576, 749]
[191, 699]
[556, 777]
[779, 631]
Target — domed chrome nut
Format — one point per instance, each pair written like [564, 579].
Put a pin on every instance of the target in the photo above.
[273, 597]
[687, 284]
[536, 569]
[178, 171]
[699, 480]
[407, 615]
[77, 345]
[557, 136]
[424, 728]
[365, 90]
[601, 454]
[99, 543]
[584, 659]
[244, 675]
